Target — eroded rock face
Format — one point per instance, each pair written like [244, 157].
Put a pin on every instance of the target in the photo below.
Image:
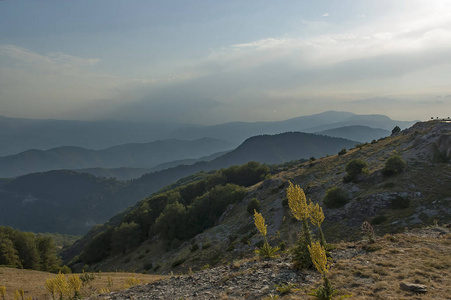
[444, 144]
[432, 136]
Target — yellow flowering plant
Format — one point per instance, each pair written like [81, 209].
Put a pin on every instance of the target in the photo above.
[316, 218]
[300, 210]
[266, 250]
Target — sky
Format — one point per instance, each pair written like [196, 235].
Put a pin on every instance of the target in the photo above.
[211, 62]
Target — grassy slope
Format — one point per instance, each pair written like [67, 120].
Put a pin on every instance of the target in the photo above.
[234, 237]
[32, 282]
[375, 271]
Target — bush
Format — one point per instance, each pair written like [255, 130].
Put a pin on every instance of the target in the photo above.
[178, 262]
[379, 220]
[396, 130]
[147, 266]
[342, 151]
[335, 198]
[354, 168]
[399, 202]
[194, 247]
[253, 204]
[394, 165]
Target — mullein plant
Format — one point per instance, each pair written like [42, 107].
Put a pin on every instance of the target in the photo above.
[300, 210]
[316, 218]
[75, 284]
[266, 250]
[319, 259]
[368, 232]
[2, 292]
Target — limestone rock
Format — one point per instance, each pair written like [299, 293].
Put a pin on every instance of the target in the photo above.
[413, 287]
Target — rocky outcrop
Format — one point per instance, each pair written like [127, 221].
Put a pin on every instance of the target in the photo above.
[240, 280]
[413, 287]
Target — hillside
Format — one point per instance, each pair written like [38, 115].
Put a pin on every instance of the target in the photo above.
[364, 273]
[56, 201]
[280, 148]
[363, 134]
[416, 197]
[125, 173]
[61, 201]
[145, 155]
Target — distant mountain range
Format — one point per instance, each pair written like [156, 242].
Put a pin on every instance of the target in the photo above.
[72, 202]
[18, 135]
[239, 131]
[273, 153]
[144, 155]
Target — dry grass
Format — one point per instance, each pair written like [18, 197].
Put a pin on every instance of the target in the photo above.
[32, 282]
[416, 257]
[400, 258]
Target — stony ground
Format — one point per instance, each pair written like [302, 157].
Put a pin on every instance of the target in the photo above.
[418, 258]
[251, 279]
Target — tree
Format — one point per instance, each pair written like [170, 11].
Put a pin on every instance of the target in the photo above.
[354, 168]
[8, 254]
[394, 165]
[396, 130]
[98, 248]
[335, 198]
[170, 222]
[254, 204]
[25, 243]
[126, 236]
[47, 252]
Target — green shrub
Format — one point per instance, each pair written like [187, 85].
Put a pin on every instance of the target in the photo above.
[147, 266]
[335, 198]
[244, 239]
[254, 204]
[194, 247]
[394, 165]
[354, 168]
[342, 151]
[396, 130]
[282, 245]
[259, 244]
[206, 246]
[65, 270]
[378, 220]
[389, 185]
[178, 262]
[399, 202]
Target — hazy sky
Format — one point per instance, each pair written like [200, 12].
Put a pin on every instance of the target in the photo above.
[218, 61]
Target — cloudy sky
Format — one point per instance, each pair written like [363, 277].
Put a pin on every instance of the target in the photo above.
[208, 62]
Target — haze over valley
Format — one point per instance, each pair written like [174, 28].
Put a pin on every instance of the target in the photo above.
[225, 149]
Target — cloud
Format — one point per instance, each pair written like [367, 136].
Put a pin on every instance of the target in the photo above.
[390, 61]
[55, 59]
[251, 81]
[51, 85]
